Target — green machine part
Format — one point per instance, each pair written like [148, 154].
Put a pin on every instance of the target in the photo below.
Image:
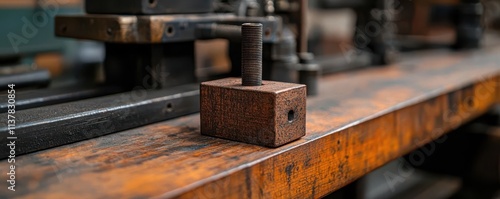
[29, 29]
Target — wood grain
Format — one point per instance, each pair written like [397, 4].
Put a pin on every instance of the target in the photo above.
[360, 121]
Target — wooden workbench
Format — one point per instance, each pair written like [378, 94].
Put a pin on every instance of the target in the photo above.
[360, 121]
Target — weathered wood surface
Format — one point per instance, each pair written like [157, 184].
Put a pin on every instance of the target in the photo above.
[360, 121]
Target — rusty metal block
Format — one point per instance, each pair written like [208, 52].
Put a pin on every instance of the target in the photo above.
[271, 115]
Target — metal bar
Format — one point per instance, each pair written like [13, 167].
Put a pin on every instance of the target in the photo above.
[51, 126]
[31, 78]
[154, 28]
[302, 27]
[45, 97]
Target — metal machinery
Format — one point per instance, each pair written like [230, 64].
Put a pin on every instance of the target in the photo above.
[149, 63]
[386, 27]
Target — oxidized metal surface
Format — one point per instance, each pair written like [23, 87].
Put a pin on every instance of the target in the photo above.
[272, 114]
[153, 28]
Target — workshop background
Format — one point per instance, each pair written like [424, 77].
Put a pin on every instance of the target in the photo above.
[74, 63]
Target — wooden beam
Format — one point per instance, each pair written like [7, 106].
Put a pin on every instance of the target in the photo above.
[359, 122]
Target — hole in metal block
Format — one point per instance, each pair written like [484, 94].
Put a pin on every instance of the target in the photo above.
[470, 102]
[64, 28]
[170, 31]
[109, 31]
[152, 3]
[291, 116]
[169, 108]
[267, 32]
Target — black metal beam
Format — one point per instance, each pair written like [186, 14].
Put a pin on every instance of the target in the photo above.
[44, 97]
[56, 125]
[27, 78]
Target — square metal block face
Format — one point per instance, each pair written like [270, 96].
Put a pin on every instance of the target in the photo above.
[271, 115]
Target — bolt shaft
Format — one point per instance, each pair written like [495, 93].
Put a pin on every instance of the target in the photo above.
[251, 54]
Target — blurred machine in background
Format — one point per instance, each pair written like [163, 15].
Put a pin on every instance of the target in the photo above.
[32, 56]
[344, 35]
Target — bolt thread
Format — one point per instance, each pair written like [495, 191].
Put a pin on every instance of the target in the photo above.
[251, 54]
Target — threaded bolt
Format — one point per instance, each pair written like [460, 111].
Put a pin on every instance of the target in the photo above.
[251, 54]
